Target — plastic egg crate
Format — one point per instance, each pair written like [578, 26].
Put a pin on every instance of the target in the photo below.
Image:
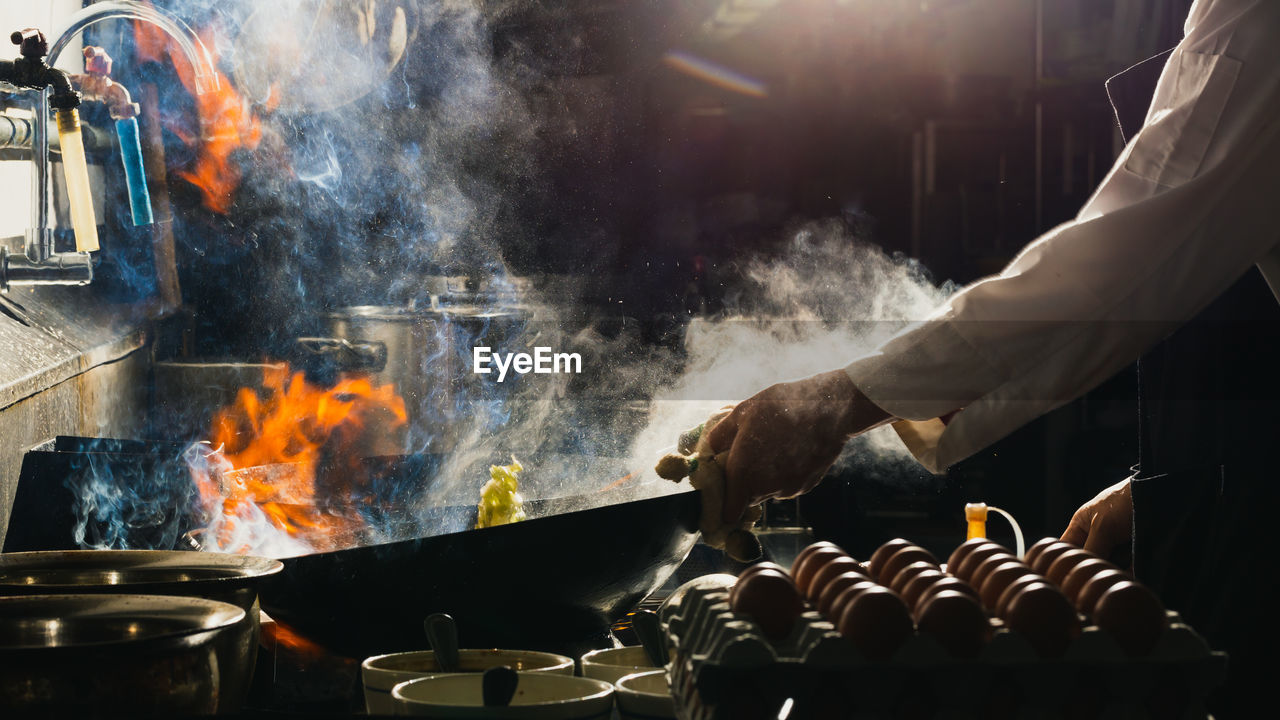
[723, 668]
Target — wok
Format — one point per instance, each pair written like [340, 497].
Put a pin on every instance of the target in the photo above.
[552, 583]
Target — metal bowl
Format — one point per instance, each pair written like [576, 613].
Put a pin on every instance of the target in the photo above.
[226, 578]
[111, 654]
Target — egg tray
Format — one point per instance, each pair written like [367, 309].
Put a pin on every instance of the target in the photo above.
[723, 668]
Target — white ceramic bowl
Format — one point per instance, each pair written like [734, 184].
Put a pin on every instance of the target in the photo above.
[380, 673]
[645, 696]
[611, 664]
[538, 696]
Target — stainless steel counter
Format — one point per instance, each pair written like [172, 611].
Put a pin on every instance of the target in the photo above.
[70, 364]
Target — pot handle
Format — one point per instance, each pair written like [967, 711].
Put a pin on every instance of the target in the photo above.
[324, 357]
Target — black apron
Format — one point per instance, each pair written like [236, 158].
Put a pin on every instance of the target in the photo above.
[1204, 492]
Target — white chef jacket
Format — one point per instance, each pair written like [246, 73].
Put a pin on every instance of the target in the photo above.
[1191, 203]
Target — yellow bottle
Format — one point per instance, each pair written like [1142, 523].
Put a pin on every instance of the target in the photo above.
[76, 171]
[976, 515]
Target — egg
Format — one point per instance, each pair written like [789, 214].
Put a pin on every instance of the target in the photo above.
[833, 587]
[1063, 564]
[904, 576]
[956, 622]
[883, 553]
[980, 573]
[1029, 557]
[903, 558]
[1098, 584]
[949, 582]
[1048, 555]
[1081, 574]
[837, 566]
[804, 571]
[752, 570]
[811, 549]
[877, 623]
[1015, 587]
[1000, 578]
[958, 555]
[919, 585]
[844, 597]
[1131, 614]
[965, 569]
[1042, 615]
[771, 599]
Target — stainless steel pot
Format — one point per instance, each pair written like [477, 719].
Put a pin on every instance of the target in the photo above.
[428, 359]
[111, 655]
[231, 579]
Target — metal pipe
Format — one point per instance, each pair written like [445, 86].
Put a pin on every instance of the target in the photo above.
[16, 133]
[40, 235]
[58, 269]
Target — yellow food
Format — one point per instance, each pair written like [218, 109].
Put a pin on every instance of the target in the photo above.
[500, 501]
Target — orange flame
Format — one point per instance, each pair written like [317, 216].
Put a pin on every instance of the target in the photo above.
[293, 437]
[226, 121]
[276, 636]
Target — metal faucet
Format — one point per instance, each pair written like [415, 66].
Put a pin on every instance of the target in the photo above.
[40, 265]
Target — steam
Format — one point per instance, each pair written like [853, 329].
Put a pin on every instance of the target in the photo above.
[829, 299]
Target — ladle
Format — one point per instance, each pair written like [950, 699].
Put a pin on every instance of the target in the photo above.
[442, 633]
[498, 686]
[649, 628]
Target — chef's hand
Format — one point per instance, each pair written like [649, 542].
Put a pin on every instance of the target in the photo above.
[781, 440]
[1104, 523]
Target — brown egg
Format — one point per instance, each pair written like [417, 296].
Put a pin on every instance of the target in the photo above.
[1081, 574]
[877, 623]
[1064, 563]
[956, 622]
[1133, 615]
[1010, 592]
[883, 553]
[846, 596]
[771, 599]
[1098, 584]
[901, 559]
[1042, 614]
[752, 570]
[958, 555]
[965, 569]
[833, 587]
[949, 582]
[980, 573]
[804, 571]
[1048, 555]
[1001, 577]
[837, 566]
[811, 549]
[1029, 557]
[905, 575]
[918, 585]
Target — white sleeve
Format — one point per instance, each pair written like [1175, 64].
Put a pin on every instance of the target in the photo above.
[1190, 205]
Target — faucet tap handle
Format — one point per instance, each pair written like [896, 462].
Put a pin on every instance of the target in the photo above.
[96, 61]
[31, 42]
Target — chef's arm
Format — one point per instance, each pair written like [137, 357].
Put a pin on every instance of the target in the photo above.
[1187, 209]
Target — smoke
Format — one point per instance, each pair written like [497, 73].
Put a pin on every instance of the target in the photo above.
[830, 299]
